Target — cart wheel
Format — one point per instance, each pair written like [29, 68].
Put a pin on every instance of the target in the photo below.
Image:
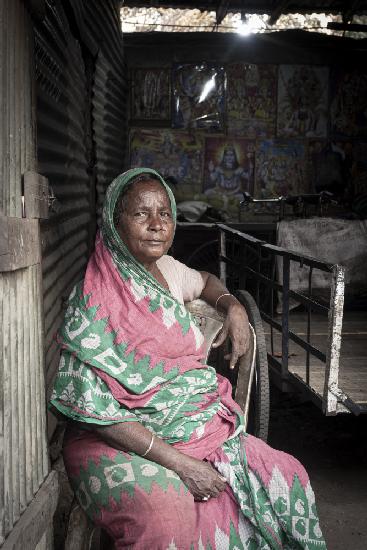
[205, 257]
[258, 418]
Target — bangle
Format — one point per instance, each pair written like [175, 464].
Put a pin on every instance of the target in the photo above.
[150, 446]
[221, 296]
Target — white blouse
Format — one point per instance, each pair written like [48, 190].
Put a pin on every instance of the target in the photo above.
[184, 283]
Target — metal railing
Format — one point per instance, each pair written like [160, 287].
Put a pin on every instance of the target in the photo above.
[265, 270]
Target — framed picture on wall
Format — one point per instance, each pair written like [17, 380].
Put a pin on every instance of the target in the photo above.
[198, 96]
[174, 154]
[150, 94]
[229, 166]
[251, 100]
[348, 108]
[281, 168]
[302, 101]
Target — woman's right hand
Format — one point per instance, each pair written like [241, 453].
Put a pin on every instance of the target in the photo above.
[201, 479]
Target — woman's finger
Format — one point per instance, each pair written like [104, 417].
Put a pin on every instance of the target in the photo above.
[233, 359]
[222, 336]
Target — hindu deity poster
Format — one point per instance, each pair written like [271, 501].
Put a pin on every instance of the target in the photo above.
[359, 171]
[302, 101]
[175, 154]
[198, 96]
[251, 100]
[330, 165]
[348, 109]
[150, 94]
[229, 166]
[281, 169]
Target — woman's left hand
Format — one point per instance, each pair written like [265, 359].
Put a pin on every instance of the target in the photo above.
[236, 327]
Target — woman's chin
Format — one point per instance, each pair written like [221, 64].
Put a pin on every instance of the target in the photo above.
[151, 253]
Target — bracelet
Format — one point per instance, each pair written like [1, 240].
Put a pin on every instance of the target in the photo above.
[221, 296]
[150, 446]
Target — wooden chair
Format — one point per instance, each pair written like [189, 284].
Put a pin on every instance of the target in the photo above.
[251, 391]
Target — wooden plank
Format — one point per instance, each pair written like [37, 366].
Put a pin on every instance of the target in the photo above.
[353, 321]
[36, 195]
[37, 518]
[19, 243]
[353, 388]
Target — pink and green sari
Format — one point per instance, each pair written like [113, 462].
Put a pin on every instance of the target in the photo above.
[132, 353]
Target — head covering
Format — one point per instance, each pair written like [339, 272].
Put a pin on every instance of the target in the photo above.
[124, 260]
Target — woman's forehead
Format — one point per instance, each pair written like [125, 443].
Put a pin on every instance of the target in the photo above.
[148, 190]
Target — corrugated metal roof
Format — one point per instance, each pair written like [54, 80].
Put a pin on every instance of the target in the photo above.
[260, 6]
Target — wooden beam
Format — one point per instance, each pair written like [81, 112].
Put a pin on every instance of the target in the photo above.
[351, 10]
[36, 195]
[350, 27]
[278, 11]
[19, 243]
[37, 517]
[221, 11]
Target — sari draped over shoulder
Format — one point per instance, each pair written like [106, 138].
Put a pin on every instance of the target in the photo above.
[130, 352]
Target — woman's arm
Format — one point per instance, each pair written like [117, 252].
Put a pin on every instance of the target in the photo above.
[236, 324]
[199, 476]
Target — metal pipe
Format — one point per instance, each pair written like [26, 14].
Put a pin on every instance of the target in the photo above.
[222, 254]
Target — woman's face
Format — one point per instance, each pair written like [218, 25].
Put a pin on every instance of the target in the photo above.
[146, 225]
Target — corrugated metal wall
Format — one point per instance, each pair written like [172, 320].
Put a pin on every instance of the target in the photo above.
[110, 88]
[109, 107]
[24, 461]
[15, 108]
[82, 125]
[23, 446]
[62, 157]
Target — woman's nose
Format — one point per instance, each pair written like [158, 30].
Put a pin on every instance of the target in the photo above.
[155, 223]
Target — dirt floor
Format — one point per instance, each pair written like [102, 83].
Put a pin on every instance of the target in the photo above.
[334, 452]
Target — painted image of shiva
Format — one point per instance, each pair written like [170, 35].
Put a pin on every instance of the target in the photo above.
[229, 176]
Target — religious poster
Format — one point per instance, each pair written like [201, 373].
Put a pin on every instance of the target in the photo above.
[302, 101]
[174, 154]
[348, 108]
[328, 166]
[281, 169]
[198, 96]
[359, 172]
[251, 100]
[229, 166]
[150, 94]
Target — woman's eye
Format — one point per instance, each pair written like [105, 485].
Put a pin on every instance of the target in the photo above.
[140, 214]
[165, 214]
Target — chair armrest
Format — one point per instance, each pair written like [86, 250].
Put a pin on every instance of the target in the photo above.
[210, 322]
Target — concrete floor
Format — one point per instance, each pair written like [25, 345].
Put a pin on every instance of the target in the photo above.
[334, 452]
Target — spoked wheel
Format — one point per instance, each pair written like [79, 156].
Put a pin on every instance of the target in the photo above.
[205, 257]
[258, 418]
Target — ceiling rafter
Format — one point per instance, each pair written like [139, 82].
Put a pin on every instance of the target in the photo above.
[278, 11]
[221, 10]
[351, 10]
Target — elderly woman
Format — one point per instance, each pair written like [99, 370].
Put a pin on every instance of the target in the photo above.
[156, 452]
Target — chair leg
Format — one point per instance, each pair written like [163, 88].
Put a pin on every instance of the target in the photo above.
[81, 533]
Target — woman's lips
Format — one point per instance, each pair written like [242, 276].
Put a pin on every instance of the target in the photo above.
[154, 243]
